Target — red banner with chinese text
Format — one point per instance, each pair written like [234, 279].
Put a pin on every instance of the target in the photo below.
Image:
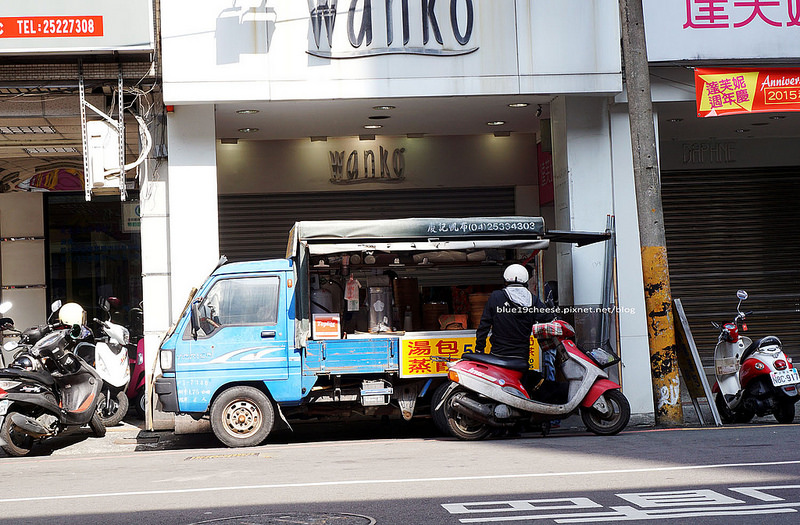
[732, 91]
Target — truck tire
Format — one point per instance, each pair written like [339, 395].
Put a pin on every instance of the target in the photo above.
[440, 416]
[242, 416]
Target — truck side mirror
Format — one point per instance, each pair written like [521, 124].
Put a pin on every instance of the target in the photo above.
[195, 320]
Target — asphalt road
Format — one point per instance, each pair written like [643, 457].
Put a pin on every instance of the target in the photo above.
[404, 474]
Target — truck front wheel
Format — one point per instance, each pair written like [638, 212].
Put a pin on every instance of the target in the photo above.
[242, 416]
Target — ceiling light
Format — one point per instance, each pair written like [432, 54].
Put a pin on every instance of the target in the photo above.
[248, 130]
[229, 141]
[26, 130]
[742, 130]
[373, 126]
[777, 117]
[383, 108]
[246, 111]
[496, 123]
[519, 105]
[318, 138]
[675, 120]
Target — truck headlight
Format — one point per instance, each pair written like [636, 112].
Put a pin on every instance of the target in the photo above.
[167, 361]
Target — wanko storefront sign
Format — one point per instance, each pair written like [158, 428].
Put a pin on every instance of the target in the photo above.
[375, 29]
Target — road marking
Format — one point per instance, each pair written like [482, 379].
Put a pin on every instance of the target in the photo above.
[340, 483]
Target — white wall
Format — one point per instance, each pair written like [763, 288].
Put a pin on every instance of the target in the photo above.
[593, 169]
[23, 262]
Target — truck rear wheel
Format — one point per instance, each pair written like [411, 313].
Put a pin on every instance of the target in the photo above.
[242, 416]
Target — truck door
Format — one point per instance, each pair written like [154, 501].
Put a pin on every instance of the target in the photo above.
[243, 332]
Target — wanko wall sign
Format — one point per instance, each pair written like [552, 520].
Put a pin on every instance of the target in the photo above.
[388, 27]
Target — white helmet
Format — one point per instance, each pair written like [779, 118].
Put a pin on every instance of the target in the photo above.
[72, 314]
[516, 273]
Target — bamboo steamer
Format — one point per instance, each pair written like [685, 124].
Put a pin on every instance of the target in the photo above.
[477, 302]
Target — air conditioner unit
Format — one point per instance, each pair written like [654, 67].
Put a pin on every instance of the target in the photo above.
[103, 156]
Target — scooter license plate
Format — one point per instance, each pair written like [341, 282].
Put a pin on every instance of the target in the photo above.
[785, 377]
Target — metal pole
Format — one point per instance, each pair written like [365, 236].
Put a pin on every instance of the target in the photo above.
[655, 270]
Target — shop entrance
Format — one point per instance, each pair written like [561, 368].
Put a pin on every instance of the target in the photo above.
[93, 250]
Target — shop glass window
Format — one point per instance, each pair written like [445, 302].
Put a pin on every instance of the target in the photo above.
[244, 301]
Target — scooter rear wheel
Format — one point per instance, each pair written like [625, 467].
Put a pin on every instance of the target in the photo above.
[611, 423]
[784, 412]
[462, 426]
[16, 443]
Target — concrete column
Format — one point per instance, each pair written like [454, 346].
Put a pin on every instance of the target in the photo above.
[180, 242]
[192, 199]
[593, 174]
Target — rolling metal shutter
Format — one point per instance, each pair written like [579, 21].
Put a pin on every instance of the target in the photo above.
[257, 226]
[735, 230]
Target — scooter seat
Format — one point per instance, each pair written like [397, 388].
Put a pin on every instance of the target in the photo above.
[15, 373]
[511, 363]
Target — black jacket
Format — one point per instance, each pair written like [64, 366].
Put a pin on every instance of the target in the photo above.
[510, 324]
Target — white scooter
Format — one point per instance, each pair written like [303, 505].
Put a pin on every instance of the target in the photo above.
[110, 359]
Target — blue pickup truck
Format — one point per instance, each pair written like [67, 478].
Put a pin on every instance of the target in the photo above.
[259, 340]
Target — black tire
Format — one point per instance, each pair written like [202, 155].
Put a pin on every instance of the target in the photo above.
[112, 409]
[16, 443]
[784, 412]
[461, 426]
[242, 416]
[439, 416]
[138, 403]
[613, 423]
[725, 413]
[97, 426]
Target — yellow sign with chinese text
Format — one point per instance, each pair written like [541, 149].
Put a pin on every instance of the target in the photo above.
[417, 348]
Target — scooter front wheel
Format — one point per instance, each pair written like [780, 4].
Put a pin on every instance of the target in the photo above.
[16, 443]
[614, 421]
[461, 425]
[112, 407]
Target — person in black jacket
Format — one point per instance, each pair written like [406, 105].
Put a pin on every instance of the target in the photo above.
[510, 315]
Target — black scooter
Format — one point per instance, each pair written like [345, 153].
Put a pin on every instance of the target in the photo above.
[47, 391]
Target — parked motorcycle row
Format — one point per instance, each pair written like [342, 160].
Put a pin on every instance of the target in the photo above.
[62, 377]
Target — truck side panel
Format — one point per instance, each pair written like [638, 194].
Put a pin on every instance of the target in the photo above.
[352, 356]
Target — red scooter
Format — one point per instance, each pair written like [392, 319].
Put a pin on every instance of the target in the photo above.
[486, 391]
[135, 391]
[753, 378]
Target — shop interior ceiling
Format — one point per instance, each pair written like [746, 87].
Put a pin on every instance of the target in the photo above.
[51, 117]
[40, 128]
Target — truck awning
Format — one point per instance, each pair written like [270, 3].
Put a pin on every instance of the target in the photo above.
[425, 246]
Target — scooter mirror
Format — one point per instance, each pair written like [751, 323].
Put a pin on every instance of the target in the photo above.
[742, 295]
[4, 307]
[55, 306]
